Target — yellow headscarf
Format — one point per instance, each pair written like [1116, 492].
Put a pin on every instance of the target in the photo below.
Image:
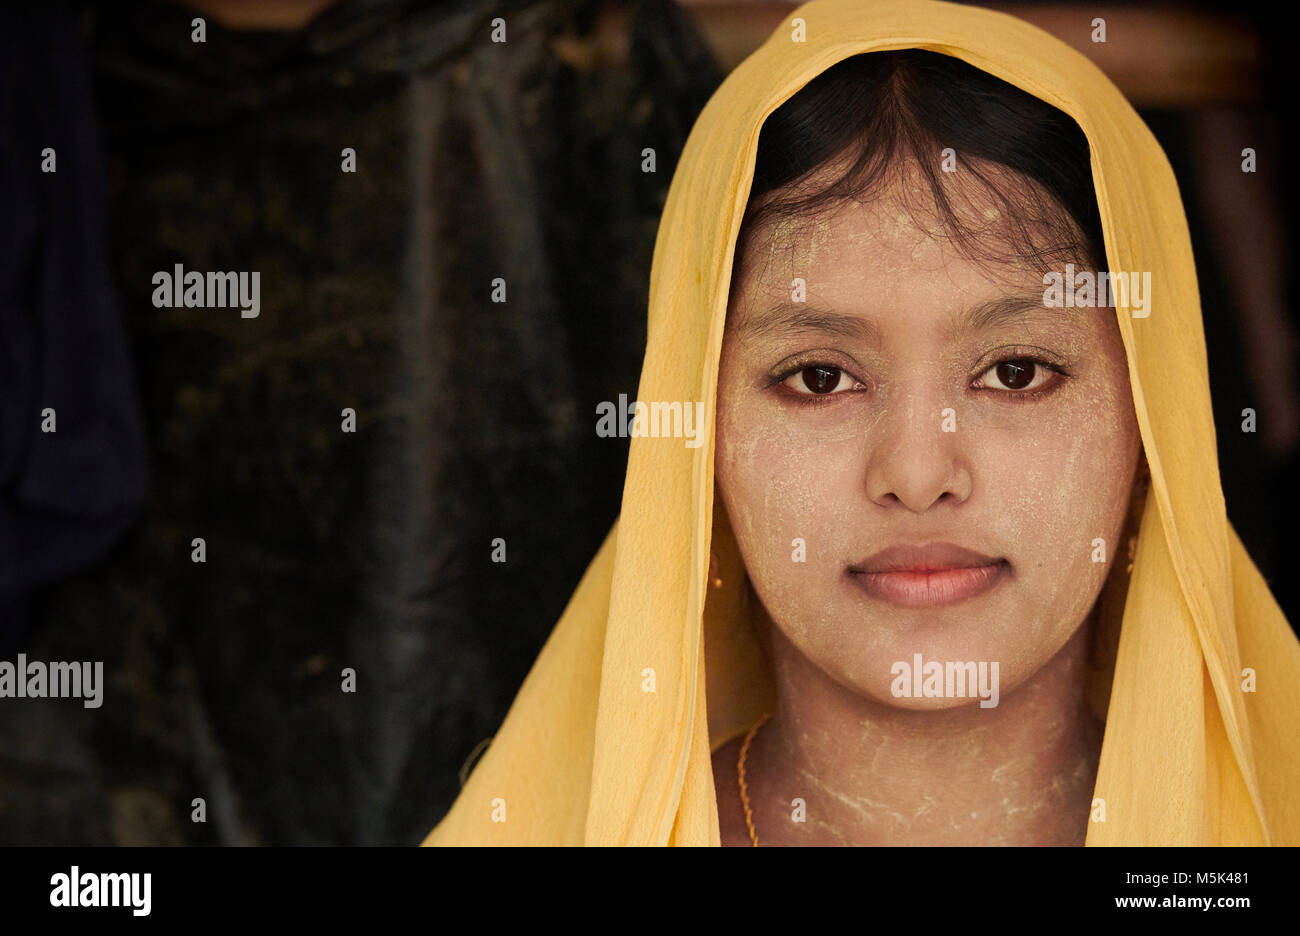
[610, 737]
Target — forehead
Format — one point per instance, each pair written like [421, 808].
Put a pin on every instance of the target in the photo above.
[883, 251]
[903, 241]
[863, 264]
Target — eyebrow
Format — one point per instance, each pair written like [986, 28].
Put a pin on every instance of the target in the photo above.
[789, 319]
[796, 318]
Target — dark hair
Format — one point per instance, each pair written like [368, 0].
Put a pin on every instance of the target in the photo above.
[884, 111]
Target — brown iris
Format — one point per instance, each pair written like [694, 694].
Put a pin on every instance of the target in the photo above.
[821, 379]
[1016, 375]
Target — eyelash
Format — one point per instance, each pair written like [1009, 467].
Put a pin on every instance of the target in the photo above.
[1022, 396]
[777, 382]
[1010, 396]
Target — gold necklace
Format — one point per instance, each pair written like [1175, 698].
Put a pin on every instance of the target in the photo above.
[740, 771]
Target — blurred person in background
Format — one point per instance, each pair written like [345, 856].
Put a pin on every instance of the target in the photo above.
[392, 471]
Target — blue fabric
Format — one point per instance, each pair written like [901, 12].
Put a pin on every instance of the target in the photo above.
[66, 495]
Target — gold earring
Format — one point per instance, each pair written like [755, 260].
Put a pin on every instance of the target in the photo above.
[714, 578]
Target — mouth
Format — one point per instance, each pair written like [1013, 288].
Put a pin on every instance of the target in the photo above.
[928, 576]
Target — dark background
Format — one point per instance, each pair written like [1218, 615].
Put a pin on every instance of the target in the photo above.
[372, 550]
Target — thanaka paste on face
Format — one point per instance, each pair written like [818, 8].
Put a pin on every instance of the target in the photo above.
[1039, 481]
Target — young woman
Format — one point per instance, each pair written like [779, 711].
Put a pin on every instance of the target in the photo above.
[955, 566]
[919, 457]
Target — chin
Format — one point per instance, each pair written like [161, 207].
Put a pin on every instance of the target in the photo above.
[920, 705]
[936, 671]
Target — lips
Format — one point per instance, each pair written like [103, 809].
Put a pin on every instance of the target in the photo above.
[926, 576]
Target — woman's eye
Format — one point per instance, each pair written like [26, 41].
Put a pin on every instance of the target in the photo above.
[819, 380]
[1017, 376]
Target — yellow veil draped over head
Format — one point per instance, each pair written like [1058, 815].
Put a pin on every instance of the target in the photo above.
[610, 737]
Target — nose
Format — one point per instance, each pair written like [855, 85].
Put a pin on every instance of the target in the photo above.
[916, 455]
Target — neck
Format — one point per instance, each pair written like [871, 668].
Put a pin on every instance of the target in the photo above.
[869, 773]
